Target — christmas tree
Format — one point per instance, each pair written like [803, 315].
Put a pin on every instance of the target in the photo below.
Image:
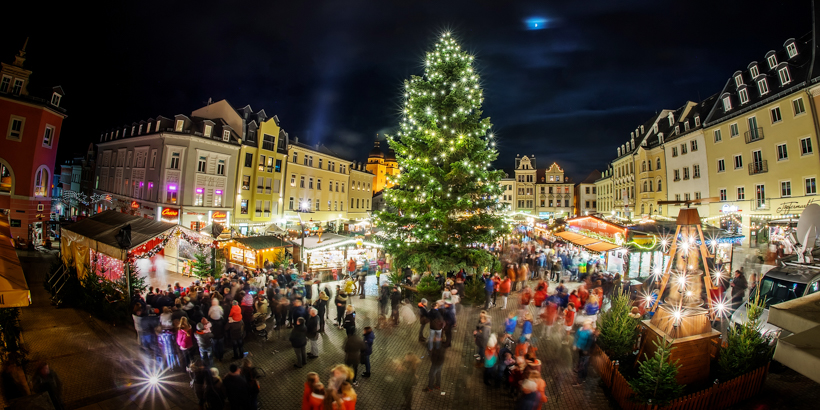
[656, 382]
[201, 267]
[445, 203]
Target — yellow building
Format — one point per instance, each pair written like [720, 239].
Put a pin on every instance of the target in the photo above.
[383, 167]
[361, 193]
[762, 141]
[259, 176]
[603, 189]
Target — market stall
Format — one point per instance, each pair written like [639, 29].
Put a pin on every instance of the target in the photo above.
[331, 251]
[600, 237]
[14, 291]
[252, 252]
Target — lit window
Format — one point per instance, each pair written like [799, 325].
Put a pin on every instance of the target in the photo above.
[744, 96]
[199, 195]
[48, 136]
[208, 129]
[754, 71]
[783, 73]
[179, 125]
[226, 135]
[243, 206]
[791, 48]
[727, 103]
[762, 87]
[218, 198]
[772, 60]
[171, 196]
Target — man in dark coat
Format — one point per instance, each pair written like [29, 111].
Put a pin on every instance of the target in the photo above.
[353, 354]
[739, 286]
[436, 325]
[423, 319]
[237, 389]
[236, 332]
[395, 300]
[312, 325]
[449, 315]
[298, 340]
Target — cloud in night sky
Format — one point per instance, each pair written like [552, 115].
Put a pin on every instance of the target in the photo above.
[332, 71]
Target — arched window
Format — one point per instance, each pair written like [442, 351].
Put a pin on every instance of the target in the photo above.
[660, 187]
[644, 187]
[658, 163]
[6, 177]
[41, 181]
[643, 166]
[642, 208]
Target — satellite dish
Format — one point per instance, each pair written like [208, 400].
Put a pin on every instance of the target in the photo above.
[807, 227]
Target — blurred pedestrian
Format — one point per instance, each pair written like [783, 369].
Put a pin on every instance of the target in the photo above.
[353, 354]
[349, 322]
[423, 319]
[237, 389]
[312, 334]
[369, 338]
[584, 340]
[46, 381]
[341, 303]
[298, 340]
[251, 374]
[436, 326]
[235, 331]
[436, 363]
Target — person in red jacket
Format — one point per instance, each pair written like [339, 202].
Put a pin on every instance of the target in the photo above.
[569, 320]
[496, 284]
[574, 299]
[312, 379]
[317, 397]
[504, 289]
[583, 295]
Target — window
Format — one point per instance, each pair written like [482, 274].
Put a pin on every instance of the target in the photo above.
[727, 104]
[199, 195]
[776, 117]
[738, 80]
[310, 162]
[660, 186]
[811, 186]
[218, 198]
[320, 163]
[243, 207]
[754, 71]
[791, 48]
[18, 86]
[175, 160]
[301, 182]
[317, 204]
[805, 146]
[677, 129]
[798, 107]
[319, 184]
[686, 125]
[258, 209]
[762, 87]
[48, 136]
[697, 195]
[171, 196]
[261, 163]
[738, 161]
[658, 162]
[782, 152]
[202, 165]
[677, 175]
[335, 205]
[785, 189]
[41, 182]
[685, 172]
[741, 193]
[697, 121]
[208, 129]
[220, 167]
[343, 186]
[226, 135]
[246, 182]
[586, 189]
[760, 196]
[744, 95]
[16, 126]
[248, 160]
[337, 186]
[683, 149]
[721, 166]
[178, 126]
[292, 180]
[278, 167]
[677, 197]
[723, 194]
[5, 83]
[295, 157]
[310, 183]
[783, 73]
[674, 151]
[290, 204]
[772, 60]
[695, 171]
[153, 158]
[305, 160]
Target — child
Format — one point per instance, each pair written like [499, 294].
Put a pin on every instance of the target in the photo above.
[510, 324]
[312, 379]
[317, 396]
[348, 396]
[526, 330]
[207, 325]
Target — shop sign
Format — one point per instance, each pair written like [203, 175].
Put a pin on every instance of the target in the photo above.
[237, 254]
[219, 215]
[14, 223]
[170, 213]
[729, 208]
[147, 207]
[597, 225]
[788, 207]
[135, 205]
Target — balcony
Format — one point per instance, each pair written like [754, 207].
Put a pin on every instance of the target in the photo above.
[754, 134]
[758, 167]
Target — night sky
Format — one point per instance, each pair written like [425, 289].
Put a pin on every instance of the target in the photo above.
[569, 90]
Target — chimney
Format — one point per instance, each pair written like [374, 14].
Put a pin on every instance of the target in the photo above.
[295, 140]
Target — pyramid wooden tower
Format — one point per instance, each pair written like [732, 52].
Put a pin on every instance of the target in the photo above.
[683, 316]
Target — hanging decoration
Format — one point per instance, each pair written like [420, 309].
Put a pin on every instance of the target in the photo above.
[177, 234]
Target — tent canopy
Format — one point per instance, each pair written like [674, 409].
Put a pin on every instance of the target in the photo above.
[593, 244]
[262, 242]
[14, 290]
[99, 232]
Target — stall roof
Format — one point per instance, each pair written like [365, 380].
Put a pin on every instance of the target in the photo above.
[593, 244]
[14, 291]
[327, 239]
[103, 228]
[262, 242]
[602, 247]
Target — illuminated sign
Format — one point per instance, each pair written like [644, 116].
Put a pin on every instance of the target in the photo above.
[728, 208]
[108, 198]
[170, 212]
[219, 215]
[135, 205]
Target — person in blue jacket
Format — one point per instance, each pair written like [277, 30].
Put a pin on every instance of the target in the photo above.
[489, 285]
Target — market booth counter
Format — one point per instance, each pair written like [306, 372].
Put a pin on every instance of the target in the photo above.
[14, 291]
[252, 252]
[330, 252]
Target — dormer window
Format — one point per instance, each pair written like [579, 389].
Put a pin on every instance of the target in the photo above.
[5, 83]
[117, 135]
[783, 73]
[677, 130]
[133, 129]
[148, 129]
[791, 48]
[655, 128]
[772, 60]
[139, 130]
[671, 119]
[55, 99]
[208, 129]
[762, 87]
[727, 103]
[744, 95]
[178, 126]
[697, 121]
[641, 129]
[18, 86]
[738, 80]
[226, 135]
[686, 125]
[754, 71]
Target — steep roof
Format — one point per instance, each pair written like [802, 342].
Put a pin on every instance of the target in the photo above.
[592, 177]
